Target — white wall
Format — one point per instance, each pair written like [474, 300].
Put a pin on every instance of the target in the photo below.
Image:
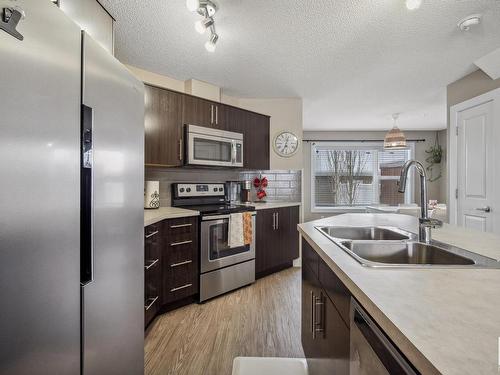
[434, 188]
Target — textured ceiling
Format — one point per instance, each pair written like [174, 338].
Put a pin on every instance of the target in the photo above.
[354, 62]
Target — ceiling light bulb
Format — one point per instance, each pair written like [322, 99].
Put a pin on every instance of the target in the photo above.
[192, 5]
[413, 4]
[202, 25]
[210, 44]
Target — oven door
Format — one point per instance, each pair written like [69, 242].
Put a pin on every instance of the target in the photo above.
[215, 252]
[204, 149]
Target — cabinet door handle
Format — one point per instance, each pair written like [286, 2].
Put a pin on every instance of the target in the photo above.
[312, 312]
[277, 220]
[152, 234]
[181, 263]
[180, 287]
[319, 302]
[147, 307]
[216, 114]
[180, 243]
[211, 114]
[180, 149]
[274, 220]
[180, 226]
[153, 262]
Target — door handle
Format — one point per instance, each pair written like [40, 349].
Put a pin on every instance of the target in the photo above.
[86, 197]
[211, 114]
[216, 115]
[277, 220]
[274, 220]
[180, 149]
[484, 209]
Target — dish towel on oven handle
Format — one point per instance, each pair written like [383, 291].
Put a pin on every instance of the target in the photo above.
[235, 236]
[247, 228]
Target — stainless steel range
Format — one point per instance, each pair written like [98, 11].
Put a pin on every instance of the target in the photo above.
[222, 267]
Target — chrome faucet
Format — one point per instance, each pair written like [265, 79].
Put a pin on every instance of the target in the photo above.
[425, 222]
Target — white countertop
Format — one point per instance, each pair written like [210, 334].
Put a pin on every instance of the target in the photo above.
[152, 216]
[444, 320]
[269, 205]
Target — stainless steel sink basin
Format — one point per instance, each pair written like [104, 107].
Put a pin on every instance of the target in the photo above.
[366, 233]
[405, 253]
[389, 247]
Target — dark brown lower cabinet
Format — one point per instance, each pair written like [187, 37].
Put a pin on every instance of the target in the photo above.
[277, 239]
[325, 335]
[171, 264]
[152, 272]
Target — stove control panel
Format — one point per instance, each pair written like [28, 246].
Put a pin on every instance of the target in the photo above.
[199, 190]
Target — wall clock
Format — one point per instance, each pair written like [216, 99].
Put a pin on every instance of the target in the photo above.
[286, 144]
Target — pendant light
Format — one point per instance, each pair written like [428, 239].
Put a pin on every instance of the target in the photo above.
[395, 139]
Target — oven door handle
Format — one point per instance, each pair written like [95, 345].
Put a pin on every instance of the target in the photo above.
[221, 217]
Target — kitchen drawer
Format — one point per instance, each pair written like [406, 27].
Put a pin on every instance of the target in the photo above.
[310, 257]
[152, 289]
[336, 290]
[185, 227]
[180, 253]
[179, 281]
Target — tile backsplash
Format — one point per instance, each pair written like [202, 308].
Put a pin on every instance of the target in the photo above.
[284, 185]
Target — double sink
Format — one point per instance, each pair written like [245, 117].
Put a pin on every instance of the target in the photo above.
[392, 247]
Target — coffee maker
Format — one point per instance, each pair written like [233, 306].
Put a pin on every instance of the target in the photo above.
[238, 192]
[246, 188]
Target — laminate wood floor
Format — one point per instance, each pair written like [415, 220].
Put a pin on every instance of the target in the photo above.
[261, 320]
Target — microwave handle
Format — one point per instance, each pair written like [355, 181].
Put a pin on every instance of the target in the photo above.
[233, 152]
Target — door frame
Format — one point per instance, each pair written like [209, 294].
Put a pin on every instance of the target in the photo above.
[491, 96]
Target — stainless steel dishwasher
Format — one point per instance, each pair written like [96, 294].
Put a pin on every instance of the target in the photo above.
[371, 351]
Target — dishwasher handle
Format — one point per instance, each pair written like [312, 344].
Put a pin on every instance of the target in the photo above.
[389, 355]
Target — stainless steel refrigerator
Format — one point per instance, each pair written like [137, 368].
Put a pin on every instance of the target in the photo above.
[71, 196]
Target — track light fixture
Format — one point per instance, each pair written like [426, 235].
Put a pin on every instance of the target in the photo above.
[206, 9]
[210, 44]
[202, 25]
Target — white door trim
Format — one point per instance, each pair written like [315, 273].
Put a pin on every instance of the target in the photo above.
[493, 96]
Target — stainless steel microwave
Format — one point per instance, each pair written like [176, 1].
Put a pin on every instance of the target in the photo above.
[213, 147]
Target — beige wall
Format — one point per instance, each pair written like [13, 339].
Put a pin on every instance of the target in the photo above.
[157, 79]
[434, 188]
[470, 86]
[286, 114]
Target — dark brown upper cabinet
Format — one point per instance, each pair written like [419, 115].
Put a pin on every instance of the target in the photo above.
[163, 127]
[166, 113]
[256, 141]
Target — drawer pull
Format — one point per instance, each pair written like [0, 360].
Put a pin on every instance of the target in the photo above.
[153, 262]
[180, 226]
[151, 303]
[181, 287]
[180, 243]
[181, 263]
[152, 234]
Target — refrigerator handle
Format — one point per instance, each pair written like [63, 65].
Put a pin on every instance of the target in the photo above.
[86, 206]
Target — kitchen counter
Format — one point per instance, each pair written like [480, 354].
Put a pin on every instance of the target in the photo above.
[444, 320]
[153, 216]
[268, 205]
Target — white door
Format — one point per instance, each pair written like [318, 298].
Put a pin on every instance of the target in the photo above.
[476, 168]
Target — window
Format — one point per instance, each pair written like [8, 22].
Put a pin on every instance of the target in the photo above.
[356, 174]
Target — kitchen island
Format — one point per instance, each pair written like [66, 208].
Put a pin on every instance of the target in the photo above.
[444, 320]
